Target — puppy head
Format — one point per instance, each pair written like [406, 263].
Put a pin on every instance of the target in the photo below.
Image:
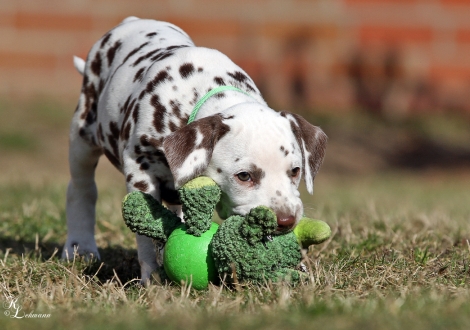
[256, 156]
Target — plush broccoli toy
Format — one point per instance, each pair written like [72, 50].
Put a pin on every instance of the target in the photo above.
[243, 248]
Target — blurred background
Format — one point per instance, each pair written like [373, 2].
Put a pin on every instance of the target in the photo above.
[388, 80]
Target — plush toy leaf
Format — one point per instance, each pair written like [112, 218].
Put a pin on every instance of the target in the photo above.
[146, 216]
[259, 223]
[199, 198]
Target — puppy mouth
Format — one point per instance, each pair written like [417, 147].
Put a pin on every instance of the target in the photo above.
[285, 224]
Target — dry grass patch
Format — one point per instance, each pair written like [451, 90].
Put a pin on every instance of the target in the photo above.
[399, 257]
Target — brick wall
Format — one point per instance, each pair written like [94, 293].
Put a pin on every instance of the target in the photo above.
[386, 56]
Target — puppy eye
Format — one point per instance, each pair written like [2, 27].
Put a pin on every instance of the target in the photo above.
[295, 172]
[244, 176]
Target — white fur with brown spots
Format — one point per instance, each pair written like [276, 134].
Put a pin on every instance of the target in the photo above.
[141, 82]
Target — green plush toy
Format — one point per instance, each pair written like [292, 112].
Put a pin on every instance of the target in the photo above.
[243, 246]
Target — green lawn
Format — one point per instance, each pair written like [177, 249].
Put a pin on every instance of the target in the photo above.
[399, 258]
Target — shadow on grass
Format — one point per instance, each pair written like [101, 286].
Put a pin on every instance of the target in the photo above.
[114, 260]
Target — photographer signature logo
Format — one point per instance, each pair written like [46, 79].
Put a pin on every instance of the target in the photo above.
[14, 310]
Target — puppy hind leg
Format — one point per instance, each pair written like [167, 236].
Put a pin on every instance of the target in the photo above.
[81, 199]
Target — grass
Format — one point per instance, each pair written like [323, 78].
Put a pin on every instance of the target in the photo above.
[399, 258]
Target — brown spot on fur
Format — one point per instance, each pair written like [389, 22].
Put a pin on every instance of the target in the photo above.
[219, 81]
[143, 57]
[161, 56]
[128, 112]
[89, 112]
[147, 141]
[144, 140]
[113, 127]
[82, 132]
[135, 50]
[139, 75]
[96, 64]
[126, 104]
[158, 114]
[159, 78]
[284, 151]
[105, 39]
[249, 87]
[257, 174]
[238, 76]
[126, 132]
[140, 159]
[129, 177]
[186, 70]
[112, 52]
[184, 120]
[112, 159]
[195, 97]
[175, 107]
[151, 34]
[99, 132]
[135, 113]
[142, 186]
[100, 86]
[173, 127]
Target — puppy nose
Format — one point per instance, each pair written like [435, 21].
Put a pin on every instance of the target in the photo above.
[285, 223]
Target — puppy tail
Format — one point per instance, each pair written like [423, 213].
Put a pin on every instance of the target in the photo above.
[79, 64]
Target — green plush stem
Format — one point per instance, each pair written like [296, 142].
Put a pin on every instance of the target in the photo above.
[199, 198]
[260, 222]
[146, 216]
[311, 231]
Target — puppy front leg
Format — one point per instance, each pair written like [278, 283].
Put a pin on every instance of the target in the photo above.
[142, 178]
[147, 258]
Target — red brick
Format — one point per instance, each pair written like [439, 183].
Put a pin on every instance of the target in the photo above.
[16, 60]
[354, 2]
[455, 2]
[395, 34]
[48, 21]
[443, 72]
[463, 36]
[287, 30]
[196, 27]
[6, 19]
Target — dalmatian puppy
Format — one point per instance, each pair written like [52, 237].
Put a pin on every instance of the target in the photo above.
[141, 82]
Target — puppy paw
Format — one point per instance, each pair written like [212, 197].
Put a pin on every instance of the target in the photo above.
[74, 248]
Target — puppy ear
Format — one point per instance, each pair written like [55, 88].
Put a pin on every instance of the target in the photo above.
[189, 149]
[312, 142]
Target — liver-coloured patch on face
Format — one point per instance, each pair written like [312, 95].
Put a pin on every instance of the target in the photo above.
[257, 174]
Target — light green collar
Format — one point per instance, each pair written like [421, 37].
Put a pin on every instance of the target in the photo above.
[212, 92]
